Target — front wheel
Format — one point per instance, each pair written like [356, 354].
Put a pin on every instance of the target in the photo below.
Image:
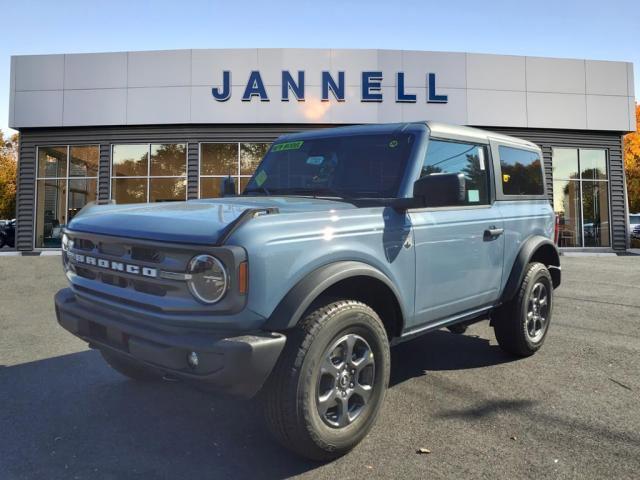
[327, 388]
[521, 325]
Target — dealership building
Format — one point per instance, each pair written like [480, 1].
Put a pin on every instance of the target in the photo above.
[171, 125]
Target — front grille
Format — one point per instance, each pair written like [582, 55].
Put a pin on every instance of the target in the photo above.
[138, 285]
[122, 282]
[115, 280]
[148, 274]
[143, 254]
[133, 253]
[150, 288]
[86, 273]
[83, 244]
[113, 249]
[125, 301]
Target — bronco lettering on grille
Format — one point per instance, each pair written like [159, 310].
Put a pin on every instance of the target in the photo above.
[111, 265]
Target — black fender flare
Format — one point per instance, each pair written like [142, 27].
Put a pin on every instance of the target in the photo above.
[528, 250]
[294, 304]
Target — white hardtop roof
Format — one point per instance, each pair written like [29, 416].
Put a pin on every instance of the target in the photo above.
[476, 134]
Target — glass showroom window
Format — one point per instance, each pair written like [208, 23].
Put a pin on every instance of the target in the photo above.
[581, 197]
[219, 160]
[66, 182]
[149, 172]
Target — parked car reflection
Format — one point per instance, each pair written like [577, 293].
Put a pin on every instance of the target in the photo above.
[8, 233]
[634, 230]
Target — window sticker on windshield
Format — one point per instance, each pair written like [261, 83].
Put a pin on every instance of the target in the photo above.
[281, 147]
[317, 160]
[481, 158]
[261, 177]
[474, 196]
[393, 143]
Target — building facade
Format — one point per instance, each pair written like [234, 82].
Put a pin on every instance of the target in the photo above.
[171, 125]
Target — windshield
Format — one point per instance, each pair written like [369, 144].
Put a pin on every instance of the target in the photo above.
[357, 166]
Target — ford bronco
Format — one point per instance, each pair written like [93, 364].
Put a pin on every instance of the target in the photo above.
[345, 242]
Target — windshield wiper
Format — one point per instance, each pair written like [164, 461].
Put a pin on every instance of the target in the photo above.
[323, 192]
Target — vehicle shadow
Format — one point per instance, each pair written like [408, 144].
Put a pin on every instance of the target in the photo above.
[72, 416]
[442, 350]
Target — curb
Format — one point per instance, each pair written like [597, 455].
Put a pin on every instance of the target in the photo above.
[13, 253]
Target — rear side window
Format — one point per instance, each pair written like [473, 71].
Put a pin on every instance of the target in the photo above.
[467, 158]
[521, 171]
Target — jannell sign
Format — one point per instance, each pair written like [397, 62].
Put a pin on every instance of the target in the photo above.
[371, 88]
[282, 86]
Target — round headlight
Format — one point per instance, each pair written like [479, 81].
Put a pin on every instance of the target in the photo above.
[208, 282]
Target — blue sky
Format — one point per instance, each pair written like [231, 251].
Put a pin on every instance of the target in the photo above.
[573, 29]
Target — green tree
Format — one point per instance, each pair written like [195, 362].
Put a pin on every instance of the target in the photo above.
[8, 175]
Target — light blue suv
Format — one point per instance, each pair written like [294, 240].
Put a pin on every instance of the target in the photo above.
[345, 242]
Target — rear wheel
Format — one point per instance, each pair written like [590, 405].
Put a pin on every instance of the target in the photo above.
[130, 368]
[521, 325]
[327, 388]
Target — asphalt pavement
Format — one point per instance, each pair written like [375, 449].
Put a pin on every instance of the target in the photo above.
[570, 411]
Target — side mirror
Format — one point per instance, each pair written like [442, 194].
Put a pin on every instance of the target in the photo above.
[440, 190]
[228, 186]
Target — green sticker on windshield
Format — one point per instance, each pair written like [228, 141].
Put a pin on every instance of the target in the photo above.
[393, 143]
[261, 177]
[281, 147]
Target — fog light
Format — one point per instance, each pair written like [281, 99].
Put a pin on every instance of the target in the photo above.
[192, 359]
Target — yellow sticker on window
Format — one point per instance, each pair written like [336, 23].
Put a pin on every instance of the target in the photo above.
[261, 177]
[281, 147]
[506, 177]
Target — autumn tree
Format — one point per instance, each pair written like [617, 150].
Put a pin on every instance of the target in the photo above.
[632, 165]
[8, 175]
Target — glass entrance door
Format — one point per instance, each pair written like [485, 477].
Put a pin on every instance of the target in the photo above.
[581, 197]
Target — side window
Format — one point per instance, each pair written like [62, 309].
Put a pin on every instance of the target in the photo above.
[455, 157]
[521, 171]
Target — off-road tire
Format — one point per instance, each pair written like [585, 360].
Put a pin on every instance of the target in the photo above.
[510, 320]
[128, 368]
[290, 395]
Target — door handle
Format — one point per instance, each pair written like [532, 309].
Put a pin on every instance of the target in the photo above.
[492, 232]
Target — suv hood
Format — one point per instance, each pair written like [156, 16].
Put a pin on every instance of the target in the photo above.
[195, 221]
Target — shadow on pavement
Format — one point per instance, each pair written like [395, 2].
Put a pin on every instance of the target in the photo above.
[72, 416]
[442, 350]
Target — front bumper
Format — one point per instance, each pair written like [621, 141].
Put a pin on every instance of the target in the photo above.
[238, 364]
